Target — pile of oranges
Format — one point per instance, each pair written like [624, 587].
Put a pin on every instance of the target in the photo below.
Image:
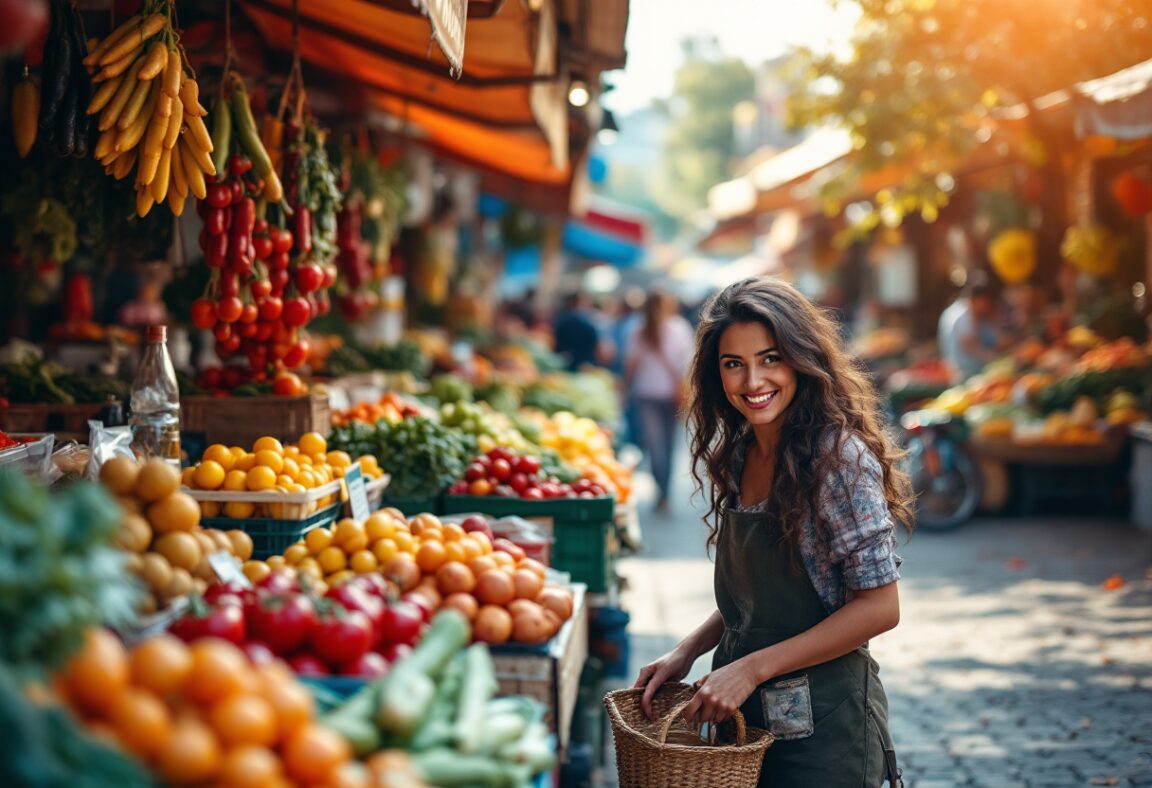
[272, 467]
[497, 588]
[203, 713]
[161, 534]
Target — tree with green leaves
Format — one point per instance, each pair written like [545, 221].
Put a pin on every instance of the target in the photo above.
[926, 79]
[700, 147]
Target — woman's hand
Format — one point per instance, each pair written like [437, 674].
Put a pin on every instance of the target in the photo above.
[673, 666]
[720, 693]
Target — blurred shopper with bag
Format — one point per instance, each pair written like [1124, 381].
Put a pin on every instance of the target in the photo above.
[805, 496]
[656, 359]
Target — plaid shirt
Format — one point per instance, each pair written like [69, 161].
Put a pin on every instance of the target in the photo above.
[851, 545]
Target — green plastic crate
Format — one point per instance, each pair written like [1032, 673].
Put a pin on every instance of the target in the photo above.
[581, 528]
[271, 536]
[412, 506]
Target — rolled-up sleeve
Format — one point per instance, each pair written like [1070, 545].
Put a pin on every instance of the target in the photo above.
[862, 535]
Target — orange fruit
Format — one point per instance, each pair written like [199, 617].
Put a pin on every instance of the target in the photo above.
[241, 543]
[332, 559]
[528, 584]
[405, 542]
[177, 512]
[235, 481]
[157, 479]
[256, 571]
[472, 548]
[481, 564]
[312, 753]
[188, 477]
[244, 719]
[317, 539]
[533, 565]
[220, 454]
[267, 458]
[191, 754]
[379, 526]
[249, 765]
[141, 721]
[180, 548]
[160, 664]
[209, 475]
[454, 577]
[98, 672]
[430, 556]
[338, 459]
[275, 562]
[219, 670]
[502, 559]
[291, 468]
[495, 587]
[119, 474]
[349, 532]
[465, 603]
[453, 532]
[245, 463]
[260, 478]
[312, 443]
[403, 571]
[369, 464]
[384, 550]
[362, 562]
[267, 443]
[454, 551]
[295, 553]
[239, 510]
[290, 700]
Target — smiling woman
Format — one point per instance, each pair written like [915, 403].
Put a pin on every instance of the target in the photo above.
[805, 498]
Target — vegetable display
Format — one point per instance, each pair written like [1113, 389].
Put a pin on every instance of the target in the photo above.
[423, 456]
[149, 111]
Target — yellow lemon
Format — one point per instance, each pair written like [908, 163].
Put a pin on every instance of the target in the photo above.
[261, 478]
[270, 459]
[208, 475]
[313, 443]
[268, 444]
[245, 463]
[220, 453]
[235, 481]
[339, 459]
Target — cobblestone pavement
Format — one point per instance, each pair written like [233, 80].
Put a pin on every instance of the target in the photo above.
[1016, 663]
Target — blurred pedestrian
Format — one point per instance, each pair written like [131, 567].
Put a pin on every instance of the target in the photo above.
[577, 338]
[968, 331]
[629, 316]
[789, 448]
[656, 360]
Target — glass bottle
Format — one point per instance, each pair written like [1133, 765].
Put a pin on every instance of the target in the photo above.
[155, 408]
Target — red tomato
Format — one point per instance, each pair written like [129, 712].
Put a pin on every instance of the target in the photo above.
[533, 494]
[402, 621]
[474, 471]
[260, 289]
[249, 313]
[229, 285]
[528, 465]
[203, 314]
[285, 623]
[277, 581]
[281, 240]
[220, 621]
[258, 653]
[354, 597]
[395, 652]
[309, 665]
[229, 309]
[271, 307]
[287, 384]
[309, 278]
[501, 469]
[297, 354]
[341, 637]
[296, 312]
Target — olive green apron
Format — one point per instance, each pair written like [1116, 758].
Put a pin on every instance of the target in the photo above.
[830, 720]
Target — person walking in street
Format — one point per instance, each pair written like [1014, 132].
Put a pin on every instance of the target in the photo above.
[577, 339]
[967, 333]
[804, 499]
[656, 358]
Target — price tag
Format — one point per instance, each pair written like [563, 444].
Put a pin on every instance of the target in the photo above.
[357, 492]
[227, 567]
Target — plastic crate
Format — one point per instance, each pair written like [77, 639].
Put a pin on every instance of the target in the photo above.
[412, 506]
[33, 458]
[582, 530]
[271, 536]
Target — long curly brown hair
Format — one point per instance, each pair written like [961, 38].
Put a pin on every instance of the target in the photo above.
[834, 400]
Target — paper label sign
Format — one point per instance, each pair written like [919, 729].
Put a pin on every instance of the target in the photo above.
[228, 568]
[357, 492]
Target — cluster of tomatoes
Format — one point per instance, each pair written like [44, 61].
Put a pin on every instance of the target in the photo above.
[353, 630]
[256, 300]
[505, 473]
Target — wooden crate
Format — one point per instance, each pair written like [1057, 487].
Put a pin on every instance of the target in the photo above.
[239, 421]
[48, 417]
[550, 674]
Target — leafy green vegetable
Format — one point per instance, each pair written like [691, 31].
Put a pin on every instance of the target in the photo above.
[58, 574]
[422, 456]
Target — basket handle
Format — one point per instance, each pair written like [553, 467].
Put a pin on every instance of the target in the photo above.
[670, 717]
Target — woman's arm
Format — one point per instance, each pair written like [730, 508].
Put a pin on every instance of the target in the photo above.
[867, 614]
[675, 665]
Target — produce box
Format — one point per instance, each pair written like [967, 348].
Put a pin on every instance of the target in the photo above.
[33, 458]
[288, 516]
[240, 421]
[582, 530]
[549, 673]
[48, 417]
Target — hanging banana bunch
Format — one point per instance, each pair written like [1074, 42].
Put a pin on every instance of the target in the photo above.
[150, 117]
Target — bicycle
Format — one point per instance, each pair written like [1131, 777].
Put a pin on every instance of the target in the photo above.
[945, 476]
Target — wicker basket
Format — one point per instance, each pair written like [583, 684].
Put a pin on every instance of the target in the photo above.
[666, 752]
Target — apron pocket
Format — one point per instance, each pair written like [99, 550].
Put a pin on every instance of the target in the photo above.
[788, 708]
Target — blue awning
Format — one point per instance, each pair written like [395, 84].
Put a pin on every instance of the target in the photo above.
[592, 244]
